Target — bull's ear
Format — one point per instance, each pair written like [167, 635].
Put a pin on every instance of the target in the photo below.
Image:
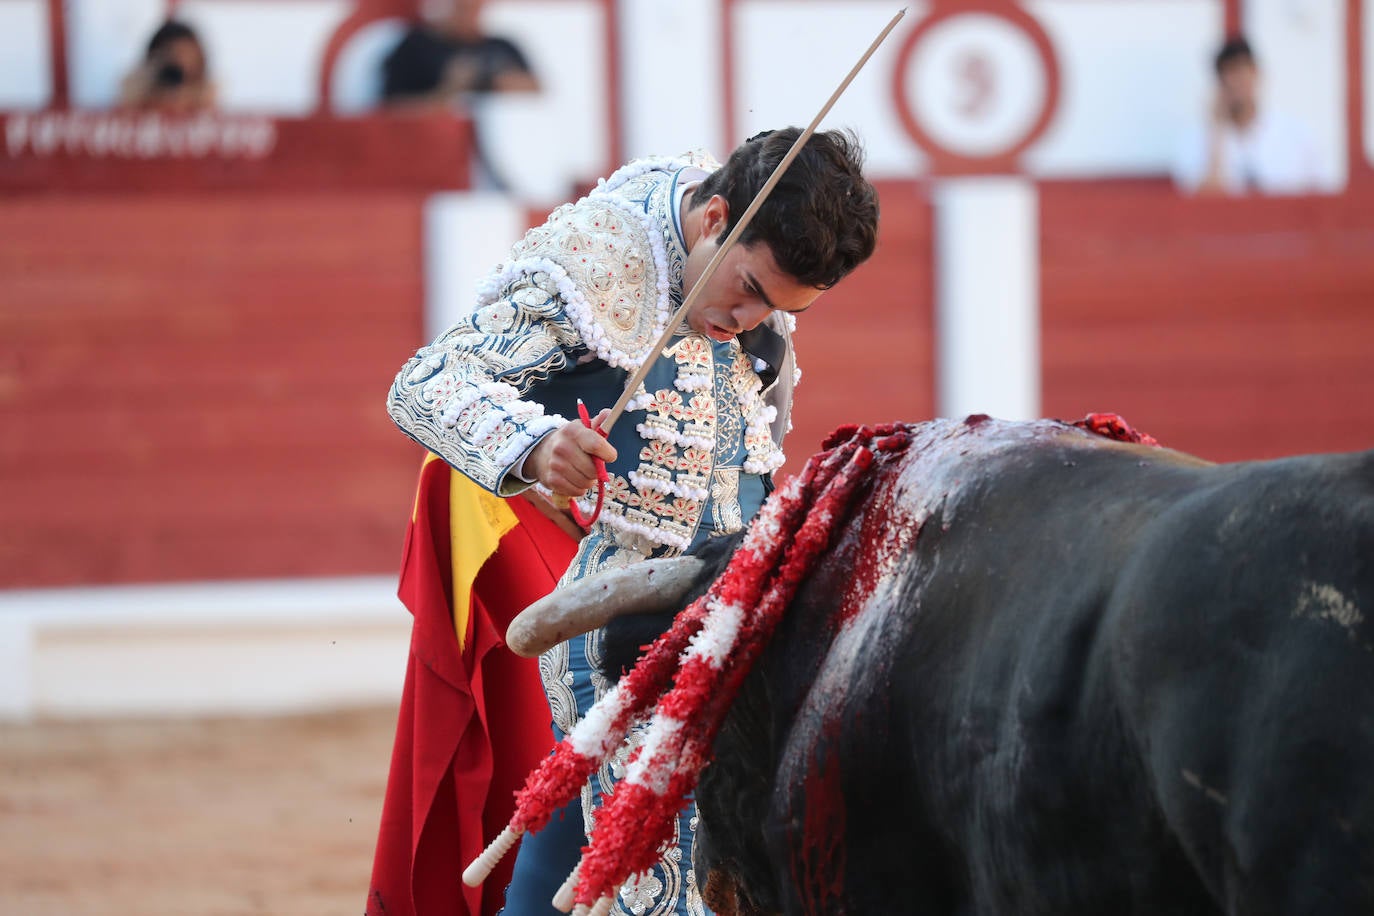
[648, 587]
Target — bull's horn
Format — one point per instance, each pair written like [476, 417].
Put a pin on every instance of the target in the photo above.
[645, 587]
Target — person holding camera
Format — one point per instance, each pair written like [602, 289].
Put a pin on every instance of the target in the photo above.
[173, 76]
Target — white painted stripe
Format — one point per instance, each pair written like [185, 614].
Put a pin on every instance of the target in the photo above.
[26, 62]
[467, 234]
[654, 32]
[1300, 49]
[987, 297]
[232, 648]
[368, 599]
[266, 55]
[16, 668]
[1367, 40]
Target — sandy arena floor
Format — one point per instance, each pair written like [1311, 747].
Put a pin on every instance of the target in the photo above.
[223, 817]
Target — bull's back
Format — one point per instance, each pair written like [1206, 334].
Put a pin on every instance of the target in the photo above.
[983, 700]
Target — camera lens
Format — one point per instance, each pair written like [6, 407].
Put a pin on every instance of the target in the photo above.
[169, 74]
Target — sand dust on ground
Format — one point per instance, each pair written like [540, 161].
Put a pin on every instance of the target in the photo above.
[205, 817]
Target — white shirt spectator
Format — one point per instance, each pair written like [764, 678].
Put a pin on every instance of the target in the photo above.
[1274, 154]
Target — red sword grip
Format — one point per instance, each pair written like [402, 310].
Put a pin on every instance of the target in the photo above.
[601, 476]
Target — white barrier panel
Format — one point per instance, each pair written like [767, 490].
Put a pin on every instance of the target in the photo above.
[1367, 43]
[265, 55]
[789, 57]
[466, 235]
[1134, 75]
[987, 308]
[26, 61]
[16, 667]
[1300, 48]
[204, 649]
[670, 109]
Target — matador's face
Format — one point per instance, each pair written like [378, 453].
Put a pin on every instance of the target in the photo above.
[746, 288]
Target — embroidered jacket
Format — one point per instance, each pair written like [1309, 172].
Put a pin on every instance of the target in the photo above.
[573, 311]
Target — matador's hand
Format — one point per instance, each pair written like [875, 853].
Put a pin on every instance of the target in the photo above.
[562, 461]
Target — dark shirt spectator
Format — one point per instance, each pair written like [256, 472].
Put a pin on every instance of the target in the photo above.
[445, 56]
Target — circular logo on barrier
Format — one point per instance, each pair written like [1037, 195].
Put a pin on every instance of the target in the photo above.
[975, 87]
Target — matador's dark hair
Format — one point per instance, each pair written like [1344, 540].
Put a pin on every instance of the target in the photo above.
[821, 221]
[1235, 49]
[169, 32]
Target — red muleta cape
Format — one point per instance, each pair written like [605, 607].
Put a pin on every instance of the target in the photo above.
[473, 719]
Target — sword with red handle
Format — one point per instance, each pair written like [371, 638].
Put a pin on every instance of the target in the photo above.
[481, 867]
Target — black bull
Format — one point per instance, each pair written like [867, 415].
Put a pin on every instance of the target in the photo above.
[1040, 671]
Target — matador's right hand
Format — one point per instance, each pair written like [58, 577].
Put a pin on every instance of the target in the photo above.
[563, 460]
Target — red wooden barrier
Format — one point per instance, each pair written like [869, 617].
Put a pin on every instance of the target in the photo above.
[192, 386]
[1234, 329]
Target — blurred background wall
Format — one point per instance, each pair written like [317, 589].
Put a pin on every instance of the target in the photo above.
[200, 315]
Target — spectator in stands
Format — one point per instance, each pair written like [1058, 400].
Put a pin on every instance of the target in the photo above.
[445, 55]
[173, 76]
[1245, 148]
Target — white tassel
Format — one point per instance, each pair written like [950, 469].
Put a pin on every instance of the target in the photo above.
[563, 900]
[481, 867]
